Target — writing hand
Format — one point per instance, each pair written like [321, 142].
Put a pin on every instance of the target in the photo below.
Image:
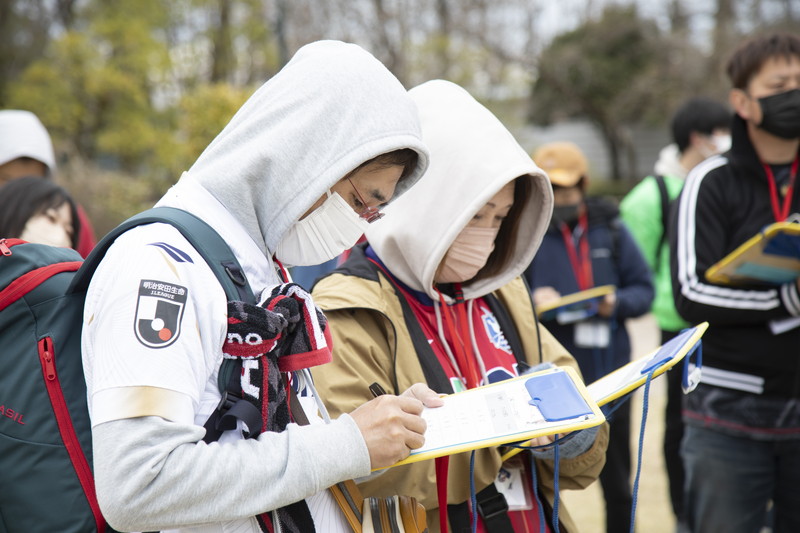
[391, 427]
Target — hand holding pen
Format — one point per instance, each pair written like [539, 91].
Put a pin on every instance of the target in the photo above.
[392, 425]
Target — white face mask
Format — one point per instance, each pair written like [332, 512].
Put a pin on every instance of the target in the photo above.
[325, 233]
[467, 255]
[721, 143]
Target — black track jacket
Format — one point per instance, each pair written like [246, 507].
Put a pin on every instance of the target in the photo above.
[724, 202]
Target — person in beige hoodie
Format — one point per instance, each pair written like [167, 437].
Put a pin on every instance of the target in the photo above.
[435, 295]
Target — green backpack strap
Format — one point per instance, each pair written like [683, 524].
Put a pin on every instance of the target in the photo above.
[223, 263]
[208, 243]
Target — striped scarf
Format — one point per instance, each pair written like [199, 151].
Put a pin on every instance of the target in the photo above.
[285, 333]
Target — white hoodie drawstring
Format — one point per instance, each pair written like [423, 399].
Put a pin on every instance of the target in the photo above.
[305, 375]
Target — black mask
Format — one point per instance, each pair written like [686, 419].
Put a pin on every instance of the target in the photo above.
[781, 114]
[567, 214]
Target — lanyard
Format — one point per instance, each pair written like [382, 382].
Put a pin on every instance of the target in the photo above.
[462, 343]
[281, 270]
[579, 256]
[781, 212]
[465, 358]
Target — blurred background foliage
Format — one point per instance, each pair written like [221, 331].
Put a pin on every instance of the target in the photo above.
[133, 90]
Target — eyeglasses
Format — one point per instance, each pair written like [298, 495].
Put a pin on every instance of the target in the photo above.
[370, 214]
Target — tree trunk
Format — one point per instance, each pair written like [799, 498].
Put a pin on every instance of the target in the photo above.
[611, 137]
[679, 20]
[630, 151]
[442, 47]
[222, 56]
[724, 35]
[281, 15]
[394, 59]
[65, 11]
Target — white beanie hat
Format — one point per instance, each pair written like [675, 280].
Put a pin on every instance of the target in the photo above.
[22, 134]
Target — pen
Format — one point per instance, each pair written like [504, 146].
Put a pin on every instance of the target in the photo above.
[376, 389]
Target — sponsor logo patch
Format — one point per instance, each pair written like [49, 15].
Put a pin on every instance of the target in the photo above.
[159, 311]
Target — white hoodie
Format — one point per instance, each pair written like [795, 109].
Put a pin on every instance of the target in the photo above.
[22, 134]
[331, 108]
[472, 157]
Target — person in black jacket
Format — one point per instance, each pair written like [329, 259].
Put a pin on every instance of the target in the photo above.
[586, 246]
[741, 448]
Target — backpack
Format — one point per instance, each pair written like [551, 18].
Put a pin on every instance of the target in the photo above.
[45, 432]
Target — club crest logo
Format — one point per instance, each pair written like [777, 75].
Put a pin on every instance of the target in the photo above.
[159, 311]
[494, 332]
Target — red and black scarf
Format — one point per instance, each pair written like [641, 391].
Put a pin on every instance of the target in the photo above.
[285, 333]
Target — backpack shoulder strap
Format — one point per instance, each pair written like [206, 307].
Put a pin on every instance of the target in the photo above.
[615, 228]
[662, 190]
[208, 243]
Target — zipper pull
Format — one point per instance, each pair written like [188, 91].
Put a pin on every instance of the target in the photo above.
[4, 249]
[47, 356]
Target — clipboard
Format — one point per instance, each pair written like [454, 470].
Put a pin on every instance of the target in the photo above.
[542, 403]
[770, 257]
[574, 307]
[633, 375]
[628, 378]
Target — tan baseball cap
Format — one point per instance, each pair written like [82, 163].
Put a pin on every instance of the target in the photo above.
[563, 162]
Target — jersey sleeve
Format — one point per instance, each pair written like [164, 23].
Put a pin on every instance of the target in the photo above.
[154, 324]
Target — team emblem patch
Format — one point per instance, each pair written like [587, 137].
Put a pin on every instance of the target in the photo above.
[159, 311]
[494, 332]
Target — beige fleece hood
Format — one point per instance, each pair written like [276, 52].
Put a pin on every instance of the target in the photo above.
[472, 156]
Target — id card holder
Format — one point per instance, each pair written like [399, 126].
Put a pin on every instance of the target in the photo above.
[593, 334]
[511, 483]
[570, 315]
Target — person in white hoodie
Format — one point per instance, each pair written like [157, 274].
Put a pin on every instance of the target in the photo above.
[436, 295]
[290, 180]
[26, 150]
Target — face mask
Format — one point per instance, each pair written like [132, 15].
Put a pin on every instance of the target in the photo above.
[467, 255]
[565, 213]
[325, 233]
[41, 229]
[721, 142]
[781, 114]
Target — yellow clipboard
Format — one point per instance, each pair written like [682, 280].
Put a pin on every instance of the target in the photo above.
[772, 257]
[550, 401]
[633, 375]
[575, 306]
[628, 378]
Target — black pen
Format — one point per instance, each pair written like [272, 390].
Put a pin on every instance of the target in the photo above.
[376, 389]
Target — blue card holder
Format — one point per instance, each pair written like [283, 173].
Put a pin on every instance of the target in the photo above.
[667, 351]
[556, 397]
